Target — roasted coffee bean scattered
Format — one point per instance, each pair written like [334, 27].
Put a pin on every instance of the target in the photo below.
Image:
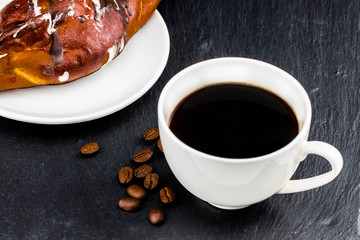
[160, 145]
[156, 216]
[151, 180]
[136, 191]
[125, 174]
[142, 171]
[151, 134]
[142, 155]
[167, 195]
[90, 148]
[129, 204]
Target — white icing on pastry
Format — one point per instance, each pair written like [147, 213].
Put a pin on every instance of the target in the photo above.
[115, 50]
[37, 9]
[64, 77]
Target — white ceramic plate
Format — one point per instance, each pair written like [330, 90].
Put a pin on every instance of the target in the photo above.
[118, 84]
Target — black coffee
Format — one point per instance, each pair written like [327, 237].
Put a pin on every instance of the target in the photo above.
[234, 121]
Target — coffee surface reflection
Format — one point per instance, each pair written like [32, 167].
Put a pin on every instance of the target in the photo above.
[234, 121]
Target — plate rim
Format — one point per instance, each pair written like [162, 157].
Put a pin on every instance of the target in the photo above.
[108, 110]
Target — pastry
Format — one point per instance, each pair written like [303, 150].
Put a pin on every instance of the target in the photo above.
[46, 42]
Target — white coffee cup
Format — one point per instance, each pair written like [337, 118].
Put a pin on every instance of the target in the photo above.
[237, 183]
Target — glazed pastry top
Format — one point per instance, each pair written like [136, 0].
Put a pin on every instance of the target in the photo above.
[51, 42]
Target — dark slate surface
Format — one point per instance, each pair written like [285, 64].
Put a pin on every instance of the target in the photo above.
[49, 191]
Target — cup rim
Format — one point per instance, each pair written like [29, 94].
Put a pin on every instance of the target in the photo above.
[301, 135]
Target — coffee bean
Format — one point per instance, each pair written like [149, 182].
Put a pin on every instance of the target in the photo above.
[160, 145]
[151, 180]
[125, 174]
[151, 134]
[156, 216]
[90, 148]
[129, 204]
[167, 195]
[142, 155]
[142, 171]
[136, 191]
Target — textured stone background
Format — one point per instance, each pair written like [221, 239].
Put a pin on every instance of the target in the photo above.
[49, 191]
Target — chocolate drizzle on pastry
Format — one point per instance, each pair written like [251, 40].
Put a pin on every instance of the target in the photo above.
[105, 5]
[82, 19]
[122, 7]
[56, 49]
[55, 17]
[54, 41]
[34, 18]
[30, 11]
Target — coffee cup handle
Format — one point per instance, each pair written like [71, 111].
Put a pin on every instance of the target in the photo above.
[330, 153]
